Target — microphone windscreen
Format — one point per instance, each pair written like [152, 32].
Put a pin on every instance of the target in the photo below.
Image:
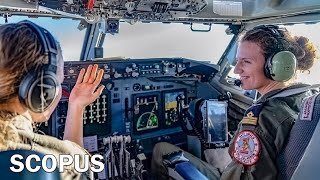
[237, 82]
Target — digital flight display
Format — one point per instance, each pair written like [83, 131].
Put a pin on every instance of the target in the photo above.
[170, 108]
[146, 113]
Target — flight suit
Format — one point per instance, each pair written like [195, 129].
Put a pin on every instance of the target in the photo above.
[47, 145]
[274, 123]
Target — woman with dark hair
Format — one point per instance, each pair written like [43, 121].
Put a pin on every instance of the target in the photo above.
[31, 73]
[267, 60]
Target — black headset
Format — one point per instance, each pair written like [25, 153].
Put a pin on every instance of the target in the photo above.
[281, 64]
[39, 88]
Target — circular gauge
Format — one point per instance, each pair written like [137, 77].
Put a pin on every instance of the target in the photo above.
[173, 115]
[136, 87]
[147, 120]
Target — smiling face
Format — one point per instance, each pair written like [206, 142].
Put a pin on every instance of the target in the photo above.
[250, 67]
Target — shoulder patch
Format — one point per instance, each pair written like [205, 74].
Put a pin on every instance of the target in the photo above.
[246, 148]
[251, 115]
[307, 108]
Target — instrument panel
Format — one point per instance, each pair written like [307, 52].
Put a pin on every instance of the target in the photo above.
[145, 10]
[139, 100]
[136, 110]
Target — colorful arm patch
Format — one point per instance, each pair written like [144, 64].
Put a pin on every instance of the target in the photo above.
[246, 148]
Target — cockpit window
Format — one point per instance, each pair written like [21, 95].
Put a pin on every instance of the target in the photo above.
[65, 30]
[309, 31]
[156, 40]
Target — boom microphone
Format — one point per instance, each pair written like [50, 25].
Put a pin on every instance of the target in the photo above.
[234, 81]
[237, 82]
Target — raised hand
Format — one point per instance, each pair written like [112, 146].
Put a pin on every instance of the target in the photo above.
[85, 90]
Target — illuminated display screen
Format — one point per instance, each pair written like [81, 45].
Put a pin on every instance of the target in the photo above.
[170, 108]
[215, 123]
[146, 113]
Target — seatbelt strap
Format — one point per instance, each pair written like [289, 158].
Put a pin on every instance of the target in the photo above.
[291, 92]
[308, 167]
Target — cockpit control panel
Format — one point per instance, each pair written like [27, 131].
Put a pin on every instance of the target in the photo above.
[136, 110]
[144, 10]
[139, 99]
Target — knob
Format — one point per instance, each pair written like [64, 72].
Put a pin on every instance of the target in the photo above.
[135, 74]
[117, 75]
[109, 86]
[106, 76]
[128, 69]
[71, 71]
[172, 65]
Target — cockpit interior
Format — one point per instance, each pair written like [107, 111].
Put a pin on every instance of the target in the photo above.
[189, 98]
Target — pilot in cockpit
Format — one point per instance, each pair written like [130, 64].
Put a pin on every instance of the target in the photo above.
[31, 73]
[267, 59]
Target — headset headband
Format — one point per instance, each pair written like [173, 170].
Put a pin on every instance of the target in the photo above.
[49, 45]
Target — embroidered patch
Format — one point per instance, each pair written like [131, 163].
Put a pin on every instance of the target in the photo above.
[251, 115]
[250, 119]
[246, 148]
[307, 109]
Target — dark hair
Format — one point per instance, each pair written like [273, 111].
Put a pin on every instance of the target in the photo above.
[272, 38]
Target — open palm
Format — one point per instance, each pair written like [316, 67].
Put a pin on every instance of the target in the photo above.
[85, 90]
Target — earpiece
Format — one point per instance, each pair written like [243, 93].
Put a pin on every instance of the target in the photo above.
[281, 65]
[39, 88]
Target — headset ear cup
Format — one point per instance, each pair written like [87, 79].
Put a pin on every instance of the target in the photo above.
[25, 85]
[38, 94]
[283, 66]
[268, 67]
[43, 92]
[39, 89]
